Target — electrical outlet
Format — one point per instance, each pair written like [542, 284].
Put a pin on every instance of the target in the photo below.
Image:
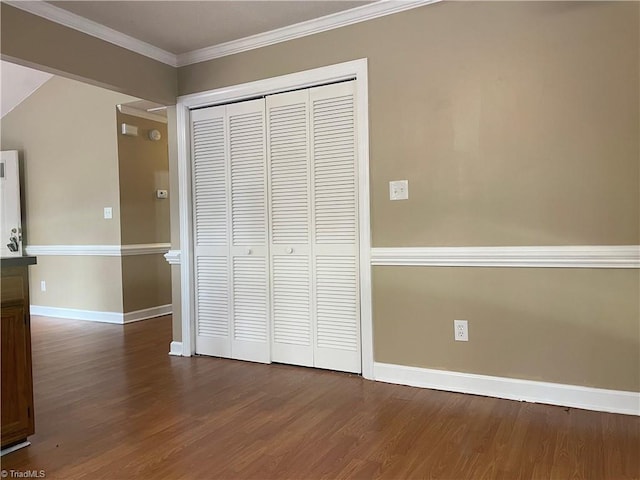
[43, 286]
[108, 213]
[461, 330]
[399, 190]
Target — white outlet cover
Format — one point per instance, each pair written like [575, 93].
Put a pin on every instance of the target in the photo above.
[399, 190]
[108, 213]
[461, 330]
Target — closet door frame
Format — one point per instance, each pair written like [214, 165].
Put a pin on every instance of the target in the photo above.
[353, 70]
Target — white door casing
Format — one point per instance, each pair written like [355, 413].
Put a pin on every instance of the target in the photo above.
[356, 70]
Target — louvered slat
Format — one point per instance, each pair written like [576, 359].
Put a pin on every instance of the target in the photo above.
[212, 297]
[250, 299]
[209, 179]
[291, 299]
[289, 169]
[248, 196]
[336, 302]
[334, 159]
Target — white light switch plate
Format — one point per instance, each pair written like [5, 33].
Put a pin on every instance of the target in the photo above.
[399, 190]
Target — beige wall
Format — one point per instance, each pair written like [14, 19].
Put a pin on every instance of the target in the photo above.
[566, 325]
[516, 123]
[75, 164]
[66, 135]
[70, 163]
[146, 282]
[143, 169]
[78, 282]
[144, 219]
[35, 42]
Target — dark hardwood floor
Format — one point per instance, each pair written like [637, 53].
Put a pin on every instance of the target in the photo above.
[110, 403]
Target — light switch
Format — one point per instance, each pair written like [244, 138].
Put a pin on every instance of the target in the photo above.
[108, 213]
[399, 190]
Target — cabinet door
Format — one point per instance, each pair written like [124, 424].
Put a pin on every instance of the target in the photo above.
[17, 399]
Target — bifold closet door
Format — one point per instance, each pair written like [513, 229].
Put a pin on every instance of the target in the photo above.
[230, 218]
[288, 162]
[334, 187]
[211, 236]
[314, 227]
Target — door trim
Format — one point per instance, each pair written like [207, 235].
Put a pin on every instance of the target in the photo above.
[356, 70]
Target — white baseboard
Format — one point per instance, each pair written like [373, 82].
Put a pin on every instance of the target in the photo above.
[152, 312]
[76, 314]
[575, 396]
[13, 448]
[97, 316]
[176, 349]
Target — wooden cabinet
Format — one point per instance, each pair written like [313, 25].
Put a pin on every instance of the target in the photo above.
[17, 385]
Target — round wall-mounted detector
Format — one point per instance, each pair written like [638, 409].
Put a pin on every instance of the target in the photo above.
[154, 135]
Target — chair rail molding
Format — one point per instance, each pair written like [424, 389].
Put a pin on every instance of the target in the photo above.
[590, 256]
[98, 250]
[173, 257]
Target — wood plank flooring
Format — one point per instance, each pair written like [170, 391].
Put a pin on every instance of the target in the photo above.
[111, 404]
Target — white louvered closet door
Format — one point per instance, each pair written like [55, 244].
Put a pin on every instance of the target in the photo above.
[211, 245]
[276, 229]
[334, 188]
[290, 236]
[248, 224]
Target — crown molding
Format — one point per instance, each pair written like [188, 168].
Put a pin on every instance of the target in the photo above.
[84, 25]
[302, 29]
[141, 114]
[591, 256]
[298, 30]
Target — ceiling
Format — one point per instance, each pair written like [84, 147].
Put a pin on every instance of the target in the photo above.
[17, 83]
[183, 26]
